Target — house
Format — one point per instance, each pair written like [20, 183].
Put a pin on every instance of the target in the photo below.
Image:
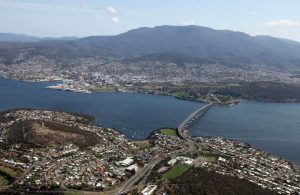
[126, 162]
[132, 169]
[149, 190]
[172, 162]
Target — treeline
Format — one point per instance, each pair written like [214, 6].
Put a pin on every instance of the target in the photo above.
[17, 131]
[84, 139]
[5, 119]
[6, 176]
[260, 91]
[199, 181]
[264, 91]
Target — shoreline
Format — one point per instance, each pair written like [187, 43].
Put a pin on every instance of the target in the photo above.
[294, 164]
[163, 94]
[166, 95]
[293, 167]
[92, 120]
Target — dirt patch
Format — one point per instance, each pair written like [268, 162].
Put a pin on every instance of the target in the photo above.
[49, 136]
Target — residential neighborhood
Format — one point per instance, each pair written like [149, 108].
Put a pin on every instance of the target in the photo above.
[112, 160]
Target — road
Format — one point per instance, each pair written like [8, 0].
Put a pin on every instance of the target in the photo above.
[187, 121]
[199, 112]
[29, 170]
[126, 187]
[141, 173]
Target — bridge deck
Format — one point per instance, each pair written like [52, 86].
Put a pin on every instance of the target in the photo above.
[188, 120]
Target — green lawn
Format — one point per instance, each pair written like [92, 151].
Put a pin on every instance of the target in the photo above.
[3, 181]
[142, 144]
[176, 171]
[170, 132]
[73, 193]
[183, 94]
[8, 171]
[211, 159]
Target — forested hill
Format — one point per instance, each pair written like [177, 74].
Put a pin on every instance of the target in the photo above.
[192, 43]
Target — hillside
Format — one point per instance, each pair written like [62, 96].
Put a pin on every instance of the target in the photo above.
[12, 37]
[199, 181]
[200, 44]
[15, 38]
[45, 133]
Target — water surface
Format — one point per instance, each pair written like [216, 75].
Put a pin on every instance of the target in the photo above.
[273, 127]
[135, 115]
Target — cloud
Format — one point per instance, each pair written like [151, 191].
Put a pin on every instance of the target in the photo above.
[283, 22]
[115, 20]
[84, 5]
[98, 17]
[188, 22]
[111, 9]
[253, 13]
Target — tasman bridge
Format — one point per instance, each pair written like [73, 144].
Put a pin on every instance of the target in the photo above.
[191, 118]
[180, 130]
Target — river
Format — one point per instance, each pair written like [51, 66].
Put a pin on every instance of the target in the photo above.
[273, 127]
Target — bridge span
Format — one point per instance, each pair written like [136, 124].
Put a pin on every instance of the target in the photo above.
[180, 130]
[184, 125]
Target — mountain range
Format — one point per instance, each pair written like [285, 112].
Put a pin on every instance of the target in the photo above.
[13, 37]
[178, 44]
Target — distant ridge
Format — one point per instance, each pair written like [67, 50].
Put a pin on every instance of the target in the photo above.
[170, 43]
[13, 37]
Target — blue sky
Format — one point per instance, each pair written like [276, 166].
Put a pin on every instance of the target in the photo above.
[280, 18]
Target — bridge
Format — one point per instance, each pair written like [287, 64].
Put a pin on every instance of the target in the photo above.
[180, 130]
[194, 115]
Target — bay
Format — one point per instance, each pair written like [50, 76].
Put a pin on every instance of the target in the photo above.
[135, 115]
[273, 127]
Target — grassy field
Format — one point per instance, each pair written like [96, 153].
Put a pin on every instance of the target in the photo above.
[8, 171]
[3, 181]
[6, 174]
[170, 132]
[142, 144]
[73, 193]
[176, 171]
[211, 159]
[42, 131]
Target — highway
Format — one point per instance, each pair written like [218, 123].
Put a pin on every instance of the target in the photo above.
[133, 180]
[197, 113]
[127, 186]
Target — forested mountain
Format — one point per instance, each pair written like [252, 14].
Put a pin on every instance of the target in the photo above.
[171, 43]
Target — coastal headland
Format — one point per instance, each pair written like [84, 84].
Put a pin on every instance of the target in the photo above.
[59, 152]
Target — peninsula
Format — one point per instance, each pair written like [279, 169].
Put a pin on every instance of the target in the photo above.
[59, 152]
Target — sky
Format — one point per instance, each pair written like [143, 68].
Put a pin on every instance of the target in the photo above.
[58, 18]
